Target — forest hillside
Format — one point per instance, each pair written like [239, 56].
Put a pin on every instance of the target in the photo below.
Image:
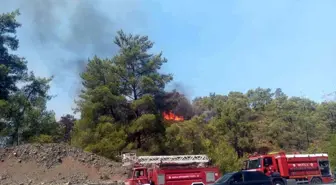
[124, 106]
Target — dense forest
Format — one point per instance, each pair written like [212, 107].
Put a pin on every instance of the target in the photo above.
[124, 106]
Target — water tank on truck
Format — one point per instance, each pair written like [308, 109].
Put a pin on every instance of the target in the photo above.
[285, 168]
[170, 170]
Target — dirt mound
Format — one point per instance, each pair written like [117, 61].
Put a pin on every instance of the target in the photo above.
[56, 164]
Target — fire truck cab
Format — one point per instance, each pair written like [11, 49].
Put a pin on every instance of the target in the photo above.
[139, 176]
[303, 168]
[170, 170]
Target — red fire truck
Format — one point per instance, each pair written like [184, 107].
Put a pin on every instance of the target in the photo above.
[303, 168]
[170, 170]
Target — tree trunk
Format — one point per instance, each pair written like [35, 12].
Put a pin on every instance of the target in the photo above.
[17, 135]
[139, 141]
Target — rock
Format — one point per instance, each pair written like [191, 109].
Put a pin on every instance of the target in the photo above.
[104, 177]
[121, 183]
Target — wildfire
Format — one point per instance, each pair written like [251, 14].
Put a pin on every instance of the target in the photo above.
[171, 116]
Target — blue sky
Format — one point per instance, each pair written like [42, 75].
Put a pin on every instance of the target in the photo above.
[219, 46]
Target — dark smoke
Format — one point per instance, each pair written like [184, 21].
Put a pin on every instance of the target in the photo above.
[178, 101]
[178, 104]
[68, 32]
[181, 88]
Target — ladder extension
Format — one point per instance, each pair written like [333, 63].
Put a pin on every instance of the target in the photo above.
[180, 159]
[177, 159]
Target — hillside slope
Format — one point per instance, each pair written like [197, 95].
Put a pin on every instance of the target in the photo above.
[56, 164]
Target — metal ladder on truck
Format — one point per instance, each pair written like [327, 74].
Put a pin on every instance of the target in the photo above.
[131, 158]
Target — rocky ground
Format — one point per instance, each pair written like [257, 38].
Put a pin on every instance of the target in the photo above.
[55, 164]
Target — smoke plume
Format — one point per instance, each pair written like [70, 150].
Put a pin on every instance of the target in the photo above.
[68, 32]
[178, 104]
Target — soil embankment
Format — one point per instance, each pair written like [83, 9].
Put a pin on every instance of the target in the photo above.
[55, 164]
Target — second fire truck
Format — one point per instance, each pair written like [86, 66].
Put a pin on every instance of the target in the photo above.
[302, 168]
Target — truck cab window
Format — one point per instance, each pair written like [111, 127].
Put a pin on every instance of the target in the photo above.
[324, 167]
[253, 164]
[139, 173]
[268, 161]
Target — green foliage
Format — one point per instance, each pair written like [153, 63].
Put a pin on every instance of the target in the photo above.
[224, 156]
[137, 69]
[184, 138]
[12, 68]
[121, 91]
[331, 149]
[23, 114]
[42, 139]
[107, 140]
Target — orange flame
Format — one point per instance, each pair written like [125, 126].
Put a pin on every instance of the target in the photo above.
[171, 116]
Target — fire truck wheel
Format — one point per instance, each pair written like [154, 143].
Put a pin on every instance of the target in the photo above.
[316, 180]
[278, 182]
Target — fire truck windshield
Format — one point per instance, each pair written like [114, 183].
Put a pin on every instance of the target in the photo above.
[253, 163]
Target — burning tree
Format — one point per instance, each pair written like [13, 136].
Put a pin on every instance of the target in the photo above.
[175, 106]
[170, 116]
[123, 94]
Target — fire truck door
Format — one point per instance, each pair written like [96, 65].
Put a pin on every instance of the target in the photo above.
[268, 165]
[140, 177]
